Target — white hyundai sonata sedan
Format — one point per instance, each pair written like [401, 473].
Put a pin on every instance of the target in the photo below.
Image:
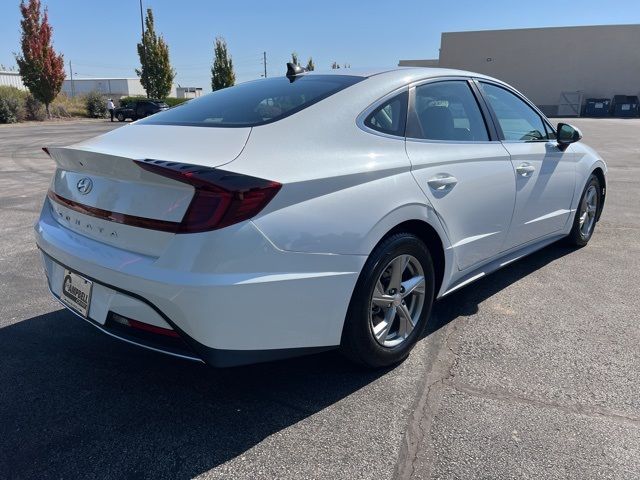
[308, 212]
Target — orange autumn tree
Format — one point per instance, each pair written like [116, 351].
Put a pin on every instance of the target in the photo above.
[41, 68]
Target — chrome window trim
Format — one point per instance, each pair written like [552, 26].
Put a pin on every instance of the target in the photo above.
[453, 142]
[444, 78]
[410, 88]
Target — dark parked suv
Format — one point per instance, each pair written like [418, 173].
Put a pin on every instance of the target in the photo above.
[136, 109]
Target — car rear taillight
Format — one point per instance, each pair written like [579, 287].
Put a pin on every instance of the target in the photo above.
[220, 198]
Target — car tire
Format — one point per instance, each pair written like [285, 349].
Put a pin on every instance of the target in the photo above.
[363, 338]
[587, 211]
[120, 117]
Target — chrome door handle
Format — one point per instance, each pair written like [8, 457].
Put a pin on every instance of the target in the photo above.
[442, 182]
[525, 169]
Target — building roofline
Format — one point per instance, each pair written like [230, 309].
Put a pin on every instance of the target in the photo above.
[556, 27]
[102, 78]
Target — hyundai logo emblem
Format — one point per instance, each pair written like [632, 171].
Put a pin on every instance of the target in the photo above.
[84, 185]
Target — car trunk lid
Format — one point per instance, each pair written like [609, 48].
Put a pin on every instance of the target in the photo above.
[99, 182]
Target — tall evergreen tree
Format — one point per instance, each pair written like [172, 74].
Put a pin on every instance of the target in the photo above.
[222, 74]
[310, 65]
[294, 58]
[156, 74]
[41, 68]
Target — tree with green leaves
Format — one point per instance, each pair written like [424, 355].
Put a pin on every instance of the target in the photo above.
[41, 68]
[335, 65]
[294, 58]
[310, 65]
[156, 74]
[222, 74]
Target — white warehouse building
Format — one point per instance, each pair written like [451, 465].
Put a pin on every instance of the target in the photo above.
[10, 78]
[116, 87]
[109, 87]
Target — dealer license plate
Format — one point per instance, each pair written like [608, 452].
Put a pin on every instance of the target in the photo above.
[76, 292]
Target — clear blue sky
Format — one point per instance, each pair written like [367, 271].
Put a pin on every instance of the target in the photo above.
[99, 36]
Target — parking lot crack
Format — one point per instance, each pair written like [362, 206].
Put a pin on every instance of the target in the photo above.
[579, 409]
[428, 404]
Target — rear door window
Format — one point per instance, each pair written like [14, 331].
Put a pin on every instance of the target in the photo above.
[446, 111]
[254, 103]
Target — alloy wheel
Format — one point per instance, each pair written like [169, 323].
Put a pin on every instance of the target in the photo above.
[397, 300]
[588, 210]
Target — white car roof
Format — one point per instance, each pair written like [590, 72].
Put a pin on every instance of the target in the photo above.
[399, 72]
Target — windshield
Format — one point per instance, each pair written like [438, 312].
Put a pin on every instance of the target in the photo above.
[253, 103]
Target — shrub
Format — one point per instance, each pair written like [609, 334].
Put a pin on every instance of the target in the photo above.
[12, 104]
[124, 100]
[95, 105]
[34, 109]
[18, 105]
[173, 101]
[64, 106]
[8, 110]
[58, 110]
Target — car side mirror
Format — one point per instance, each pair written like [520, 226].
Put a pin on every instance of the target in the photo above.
[567, 134]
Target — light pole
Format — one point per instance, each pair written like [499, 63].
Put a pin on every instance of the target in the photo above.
[73, 90]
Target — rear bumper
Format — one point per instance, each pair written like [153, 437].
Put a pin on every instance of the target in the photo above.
[150, 345]
[231, 295]
[190, 349]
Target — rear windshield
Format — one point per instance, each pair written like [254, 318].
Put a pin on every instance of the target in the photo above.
[253, 103]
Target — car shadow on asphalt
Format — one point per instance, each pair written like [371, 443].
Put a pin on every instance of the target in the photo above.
[77, 404]
[464, 302]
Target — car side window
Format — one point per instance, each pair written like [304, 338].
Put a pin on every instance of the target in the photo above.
[517, 120]
[390, 117]
[446, 111]
[551, 133]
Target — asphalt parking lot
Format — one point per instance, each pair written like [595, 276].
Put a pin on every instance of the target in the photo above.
[532, 372]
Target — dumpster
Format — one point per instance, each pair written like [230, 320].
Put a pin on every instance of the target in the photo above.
[597, 107]
[625, 106]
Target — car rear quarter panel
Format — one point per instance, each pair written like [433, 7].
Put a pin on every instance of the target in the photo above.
[343, 188]
[341, 191]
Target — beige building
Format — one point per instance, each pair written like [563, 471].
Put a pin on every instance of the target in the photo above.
[551, 66]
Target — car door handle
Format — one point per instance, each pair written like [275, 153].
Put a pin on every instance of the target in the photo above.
[442, 182]
[525, 169]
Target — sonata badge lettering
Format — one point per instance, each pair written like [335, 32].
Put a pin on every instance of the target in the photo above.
[76, 223]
